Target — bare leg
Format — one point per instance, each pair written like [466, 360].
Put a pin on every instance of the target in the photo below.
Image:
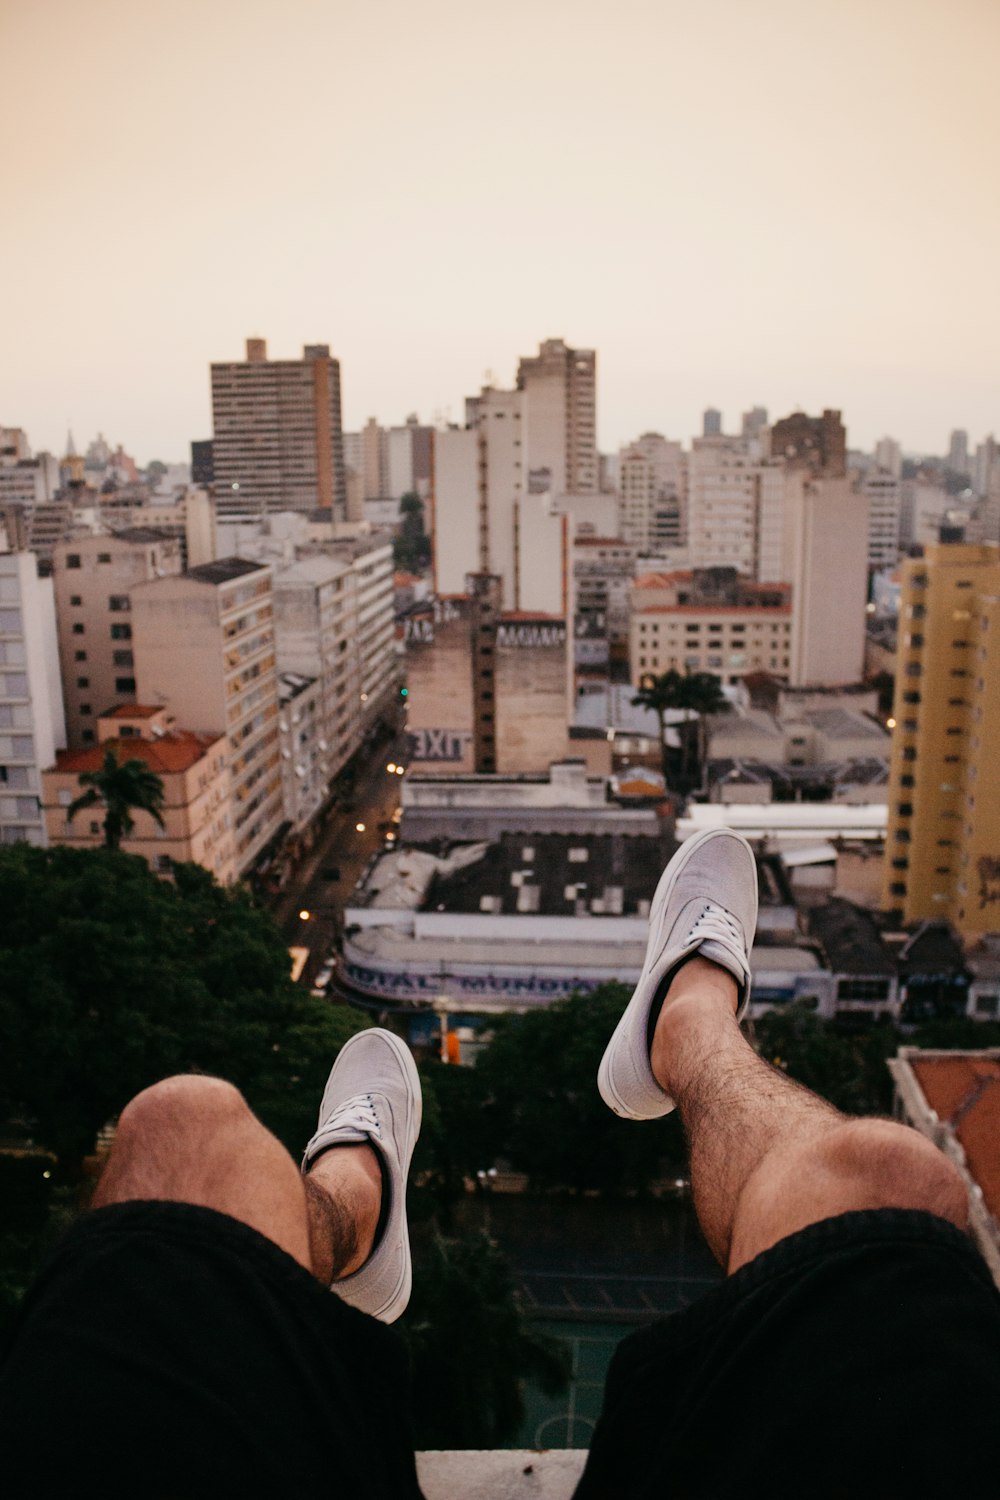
[767, 1156]
[194, 1140]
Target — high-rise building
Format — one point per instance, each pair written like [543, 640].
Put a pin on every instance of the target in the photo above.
[560, 418]
[202, 462]
[204, 648]
[958, 451]
[889, 456]
[711, 422]
[754, 421]
[94, 577]
[277, 442]
[32, 726]
[826, 562]
[819, 442]
[503, 485]
[943, 846]
[652, 484]
[722, 504]
[884, 491]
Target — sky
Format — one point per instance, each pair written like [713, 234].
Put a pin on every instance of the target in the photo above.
[733, 201]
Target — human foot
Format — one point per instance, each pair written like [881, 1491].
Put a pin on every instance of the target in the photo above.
[705, 905]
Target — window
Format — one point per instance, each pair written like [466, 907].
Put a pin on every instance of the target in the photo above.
[122, 658]
[78, 628]
[121, 632]
[864, 989]
[73, 560]
[83, 682]
[79, 656]
[125, 685]
[88, 736]
[85, 708]
[76, 599]
[118, 602]
[104, 557]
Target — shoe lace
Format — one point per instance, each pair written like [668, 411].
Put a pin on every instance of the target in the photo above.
[355, 1114]
[714, 922]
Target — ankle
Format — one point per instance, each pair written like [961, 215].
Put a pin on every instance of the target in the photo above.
[349, 1179]
[702, 1000]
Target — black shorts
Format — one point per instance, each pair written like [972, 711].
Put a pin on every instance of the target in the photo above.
[168, 1350]
[859, 1357]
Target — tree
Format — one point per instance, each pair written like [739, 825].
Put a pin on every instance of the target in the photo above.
[470, 1346]
[120, 786]
[412, 547]
[540, 1108]
[700, 693]
[661, 694]
[113, 979]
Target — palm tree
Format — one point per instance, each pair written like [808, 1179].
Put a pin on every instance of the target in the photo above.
[120, 786]
[700, 693]
[660, 694]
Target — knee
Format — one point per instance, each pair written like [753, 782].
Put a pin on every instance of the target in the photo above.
[175, 1106]
[894, 1166]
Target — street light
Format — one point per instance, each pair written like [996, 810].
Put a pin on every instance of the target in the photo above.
[391, 768]
[304, 916]
[360, 827]
[400, 770]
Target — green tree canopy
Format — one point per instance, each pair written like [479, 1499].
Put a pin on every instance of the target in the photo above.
[120, 787]
[539, 1104]
[412, 547]
[113, 979]
[470, 1346]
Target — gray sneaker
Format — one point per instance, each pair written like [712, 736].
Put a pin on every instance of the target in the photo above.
[705, 903]
[373, 1095]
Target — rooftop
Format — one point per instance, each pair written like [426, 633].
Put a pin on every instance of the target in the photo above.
[133, 711]
[174, 752]
[142, 534]
[850, 939]
[224, 570]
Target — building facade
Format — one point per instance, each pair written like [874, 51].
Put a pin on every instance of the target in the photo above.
[943, 849]
[196, 811]
[32, 724]
[94, 577]
[277, 440]
[204, 649]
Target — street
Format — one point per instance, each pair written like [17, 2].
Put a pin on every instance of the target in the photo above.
[341, 847]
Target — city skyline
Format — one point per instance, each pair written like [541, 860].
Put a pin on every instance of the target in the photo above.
[731, 205]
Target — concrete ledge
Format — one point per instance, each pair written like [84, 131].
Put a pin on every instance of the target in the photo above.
[501, 1473]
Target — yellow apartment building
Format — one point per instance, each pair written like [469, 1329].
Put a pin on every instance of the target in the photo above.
[943, 847]
[196, 810]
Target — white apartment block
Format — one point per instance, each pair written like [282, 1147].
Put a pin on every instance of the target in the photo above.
[652, 483]
[32, 726]
[204, 647]
[826, 552]
[727, 641]
[723, 492]
[560, 421]
[94, 577]
[304, 751]
[884, 493]
[889, 456]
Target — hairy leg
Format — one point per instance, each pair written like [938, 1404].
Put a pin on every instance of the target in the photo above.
[767, 1156]
[195, 1140]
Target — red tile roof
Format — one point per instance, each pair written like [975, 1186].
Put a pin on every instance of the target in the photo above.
[168, 755]
[963, 1090]
[133, 711]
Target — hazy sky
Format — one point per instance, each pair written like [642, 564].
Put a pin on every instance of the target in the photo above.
[733, 201]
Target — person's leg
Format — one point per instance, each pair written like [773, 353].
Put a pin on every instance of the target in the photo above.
[192, 1139]
[767, 1156]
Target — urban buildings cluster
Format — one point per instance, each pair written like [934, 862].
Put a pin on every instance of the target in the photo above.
[240, 625]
